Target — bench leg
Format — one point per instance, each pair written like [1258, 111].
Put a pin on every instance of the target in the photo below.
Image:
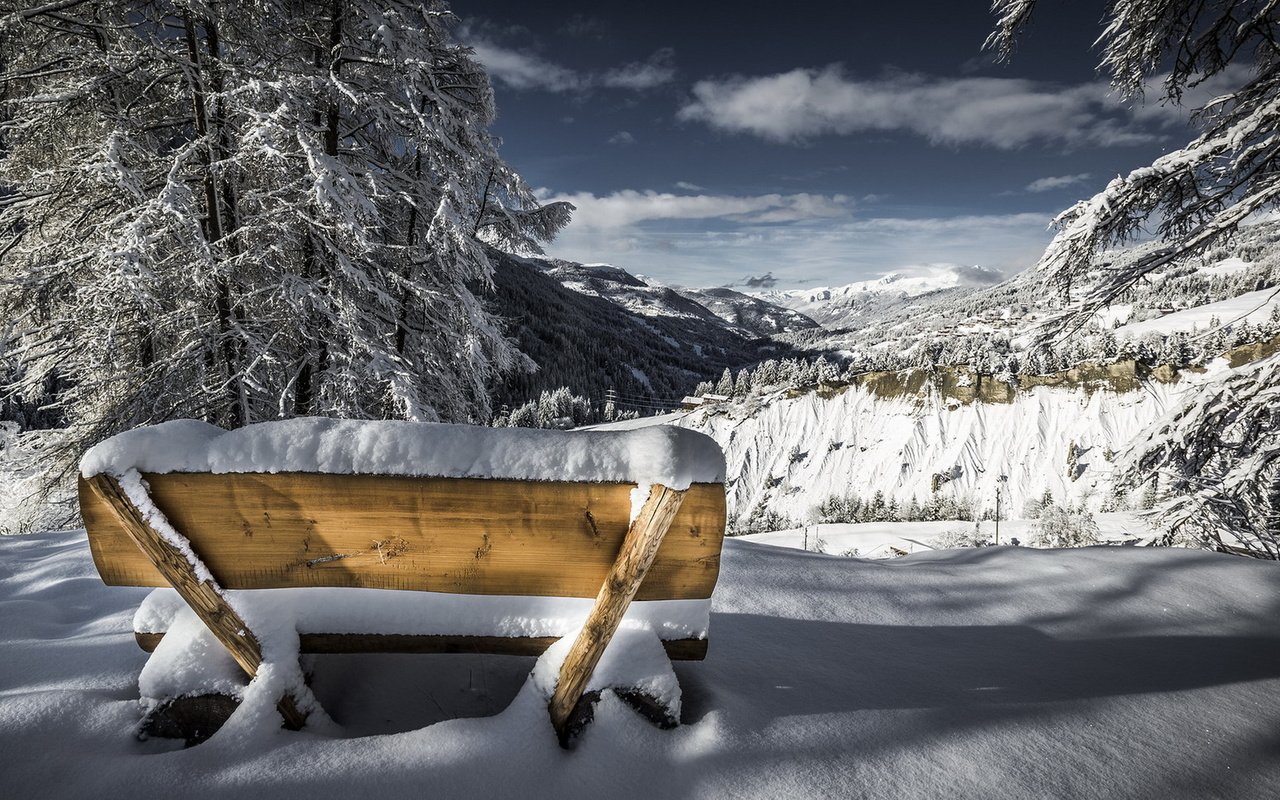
[203, 596]
[639, 549]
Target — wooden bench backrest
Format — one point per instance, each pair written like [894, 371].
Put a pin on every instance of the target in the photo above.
[469, 536]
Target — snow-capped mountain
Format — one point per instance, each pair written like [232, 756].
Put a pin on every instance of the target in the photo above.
[851, 304]
[745, 312]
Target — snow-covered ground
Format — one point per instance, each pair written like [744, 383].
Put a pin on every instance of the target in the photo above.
[893, 539]
[1250, 307]
[999, 672]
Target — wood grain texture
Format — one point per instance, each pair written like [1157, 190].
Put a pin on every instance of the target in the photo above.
[429, 534]
[677, 649]
[204, 597]
[639, 549]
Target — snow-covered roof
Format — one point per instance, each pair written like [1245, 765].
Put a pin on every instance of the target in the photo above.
[671, 456]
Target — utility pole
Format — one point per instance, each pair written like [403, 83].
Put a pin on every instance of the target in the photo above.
[999, 480]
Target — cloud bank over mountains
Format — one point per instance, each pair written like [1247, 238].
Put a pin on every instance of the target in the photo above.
[827, 239]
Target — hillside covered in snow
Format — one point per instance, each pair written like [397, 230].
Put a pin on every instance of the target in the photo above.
[945, 397]
[787, 455]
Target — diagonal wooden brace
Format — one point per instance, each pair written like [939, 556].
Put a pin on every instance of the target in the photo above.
[204, 597]
[639, 549]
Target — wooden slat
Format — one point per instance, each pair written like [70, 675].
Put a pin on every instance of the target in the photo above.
[203, 596]
[639, 549]
[429, 534]
[677, 649]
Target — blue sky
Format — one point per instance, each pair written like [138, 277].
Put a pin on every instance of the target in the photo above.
[715, 143]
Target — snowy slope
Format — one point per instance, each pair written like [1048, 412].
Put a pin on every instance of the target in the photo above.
[1250, 307]
[590, 343]
[995, 673]
[791, 453]
[749, 313]
[740, 313]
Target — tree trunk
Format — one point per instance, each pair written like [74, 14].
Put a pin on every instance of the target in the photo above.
[213, 228]
[311, 371]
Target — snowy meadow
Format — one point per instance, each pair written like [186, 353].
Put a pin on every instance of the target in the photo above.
[996, 672]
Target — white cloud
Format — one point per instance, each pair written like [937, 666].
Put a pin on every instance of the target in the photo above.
[1056, 182]
[706, 239]
[689, 187]
[999, 112]
[630, 207]
[523, 70]
[658, 70]
[622, 138]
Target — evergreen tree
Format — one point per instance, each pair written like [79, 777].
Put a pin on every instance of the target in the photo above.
[237, 210]
[1224, 442]
[725, 384]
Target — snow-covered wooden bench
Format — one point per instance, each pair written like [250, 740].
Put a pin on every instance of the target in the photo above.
[501, 536]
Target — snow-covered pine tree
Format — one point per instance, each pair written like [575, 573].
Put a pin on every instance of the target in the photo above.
[1221, 450]
[725, 385]
[237, 210]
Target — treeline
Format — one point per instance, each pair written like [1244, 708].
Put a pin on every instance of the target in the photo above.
[979, 328]
[559, 408]
[853, 508]
[994, 354]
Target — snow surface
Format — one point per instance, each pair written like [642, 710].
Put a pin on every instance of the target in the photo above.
[1227, 266]
[346, 610]
[881, 539]
[1250, 307]
[991, 673]
[670, 456]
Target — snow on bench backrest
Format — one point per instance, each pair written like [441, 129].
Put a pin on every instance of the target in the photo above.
[398, 505]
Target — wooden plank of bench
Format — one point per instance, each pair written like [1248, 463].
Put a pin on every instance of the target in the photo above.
[644, 537]
[204, 597]
[322, 643]
[468, 536]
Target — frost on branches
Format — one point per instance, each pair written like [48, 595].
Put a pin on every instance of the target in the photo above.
[237, 211]
[1219, 452]
[1219, 455]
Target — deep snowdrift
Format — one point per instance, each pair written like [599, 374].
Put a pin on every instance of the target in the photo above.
[1105, 672]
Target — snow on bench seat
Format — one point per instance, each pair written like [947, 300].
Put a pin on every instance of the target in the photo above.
[378, 611]
[673, 457]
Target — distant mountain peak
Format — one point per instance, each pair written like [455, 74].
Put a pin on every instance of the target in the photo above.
[841, 305]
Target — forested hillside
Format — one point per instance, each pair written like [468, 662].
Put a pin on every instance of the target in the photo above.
[590, 342]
